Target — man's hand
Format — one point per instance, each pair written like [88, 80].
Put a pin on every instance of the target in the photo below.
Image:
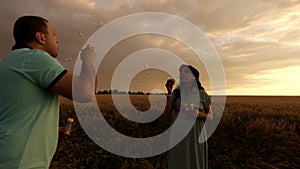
[62, 136]
[84, 83]
[88, 54]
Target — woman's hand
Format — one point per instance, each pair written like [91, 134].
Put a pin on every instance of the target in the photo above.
[201, 115]
[169, 85]
[190, 113]
[205, 116]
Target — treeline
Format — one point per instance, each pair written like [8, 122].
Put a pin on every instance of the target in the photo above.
[115, 91]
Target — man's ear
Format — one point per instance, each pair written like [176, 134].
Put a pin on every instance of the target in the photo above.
[40, 38]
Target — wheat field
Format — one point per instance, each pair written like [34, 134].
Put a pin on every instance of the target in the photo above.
[254, 132]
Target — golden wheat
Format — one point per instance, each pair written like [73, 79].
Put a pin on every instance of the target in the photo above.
[254, 132]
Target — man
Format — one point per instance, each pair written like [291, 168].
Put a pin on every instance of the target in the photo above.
[31, 82]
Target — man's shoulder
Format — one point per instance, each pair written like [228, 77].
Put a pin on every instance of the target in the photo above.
[26, 52]
[38, 52]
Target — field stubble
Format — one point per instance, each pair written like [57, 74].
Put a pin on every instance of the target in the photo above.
[254, 132]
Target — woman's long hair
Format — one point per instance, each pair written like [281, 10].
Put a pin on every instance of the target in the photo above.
[196, 83]
[195, 72]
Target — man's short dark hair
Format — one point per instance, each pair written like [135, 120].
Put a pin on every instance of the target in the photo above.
[26, 27]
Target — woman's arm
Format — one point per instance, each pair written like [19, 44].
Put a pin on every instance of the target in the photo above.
[207, 114]
[168, 113]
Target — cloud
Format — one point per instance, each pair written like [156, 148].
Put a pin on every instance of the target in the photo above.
[268, 40]
[68, 17]
[275, 81]
[252, 37]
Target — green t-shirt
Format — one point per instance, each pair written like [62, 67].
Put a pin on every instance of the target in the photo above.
[29, 111]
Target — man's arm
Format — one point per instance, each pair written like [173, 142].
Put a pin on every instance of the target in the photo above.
[84, 84]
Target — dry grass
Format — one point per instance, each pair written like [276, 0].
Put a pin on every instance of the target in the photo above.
[254, 132]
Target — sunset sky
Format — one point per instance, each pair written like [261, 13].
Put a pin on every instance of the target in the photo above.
[258, 41]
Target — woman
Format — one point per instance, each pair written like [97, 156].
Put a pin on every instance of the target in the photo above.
[189, 153]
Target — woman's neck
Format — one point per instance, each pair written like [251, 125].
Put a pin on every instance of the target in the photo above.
[185, 89]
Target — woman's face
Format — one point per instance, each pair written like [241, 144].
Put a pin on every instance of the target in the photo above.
[186, 75]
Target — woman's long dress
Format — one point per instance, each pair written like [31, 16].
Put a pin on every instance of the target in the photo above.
[189, 153]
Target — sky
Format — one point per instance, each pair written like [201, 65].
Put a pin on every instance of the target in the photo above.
[258, 41]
